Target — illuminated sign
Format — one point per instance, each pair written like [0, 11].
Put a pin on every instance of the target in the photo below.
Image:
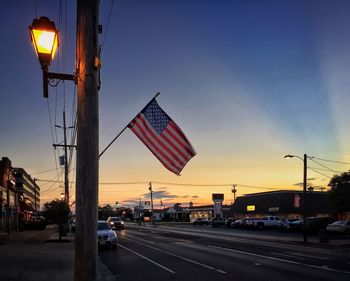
[274, 209]
[251, 208]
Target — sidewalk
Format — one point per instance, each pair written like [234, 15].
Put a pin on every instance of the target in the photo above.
[35, 255]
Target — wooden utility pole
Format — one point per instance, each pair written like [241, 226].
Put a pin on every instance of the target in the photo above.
[87, 45]
[66, 182]
[151, 191]
[65, 145]
[304, 199]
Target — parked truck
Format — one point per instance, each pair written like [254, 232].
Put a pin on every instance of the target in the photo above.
[265, 222]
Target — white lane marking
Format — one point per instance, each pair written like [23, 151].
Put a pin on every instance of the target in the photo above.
[179, 257]
[284, 255]
[148, 241]
[152, 261]
[278, 259]
[307, 256]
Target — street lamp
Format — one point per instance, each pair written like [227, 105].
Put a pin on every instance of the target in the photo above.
[304, 192]
[44, 36]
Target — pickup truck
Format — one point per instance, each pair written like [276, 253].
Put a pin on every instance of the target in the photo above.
[261, 223]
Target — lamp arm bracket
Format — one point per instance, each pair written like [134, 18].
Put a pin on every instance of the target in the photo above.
[60, 77]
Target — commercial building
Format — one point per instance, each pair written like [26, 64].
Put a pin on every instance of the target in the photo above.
[207, 211]
[27, 188]
[19, 196]
[283, 203]
[8, 197]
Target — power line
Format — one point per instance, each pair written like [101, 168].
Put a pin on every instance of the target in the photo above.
[339, 172]
[323, 165]
[332, 161]
[319, 173]
[178, 184]
[42, 172]
[107, 26]
[52, 136]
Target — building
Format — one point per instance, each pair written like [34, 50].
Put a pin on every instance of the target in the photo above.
[207, 211]
[283, 203]
[19, 197]
[8, 197]
[28, 189]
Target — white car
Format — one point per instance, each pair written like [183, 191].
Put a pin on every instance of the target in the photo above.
[115, 222]
[105, 235]
[339, 226]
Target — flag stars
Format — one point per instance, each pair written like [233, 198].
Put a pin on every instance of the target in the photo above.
[156, 116]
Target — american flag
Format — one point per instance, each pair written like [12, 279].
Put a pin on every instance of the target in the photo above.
[162, 137]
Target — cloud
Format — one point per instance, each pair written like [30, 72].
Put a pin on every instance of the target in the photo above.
[190, 196]
[308, 182]
[160, 194]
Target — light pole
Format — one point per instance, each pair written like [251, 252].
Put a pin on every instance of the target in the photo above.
[234, 190]
[151, 191]
[304, 191]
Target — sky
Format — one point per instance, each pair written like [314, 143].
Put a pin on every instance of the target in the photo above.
[248, 81]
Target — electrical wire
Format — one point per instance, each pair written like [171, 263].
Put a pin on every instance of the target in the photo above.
[320, 173]
[323, 165]
[42, 172]
[52, 135]
[332, 161]
[321, 169]
[53, 183]
[179, 184]
[107, 26]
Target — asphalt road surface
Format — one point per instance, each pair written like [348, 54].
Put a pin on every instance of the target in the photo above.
[167, 253]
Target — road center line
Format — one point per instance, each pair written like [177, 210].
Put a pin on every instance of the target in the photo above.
[278, 259]
[148, 241]
[179, 257]
[284, 255]
[141, 256]
[308, 256]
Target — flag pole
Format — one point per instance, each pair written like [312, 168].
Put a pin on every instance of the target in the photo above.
[157, 94]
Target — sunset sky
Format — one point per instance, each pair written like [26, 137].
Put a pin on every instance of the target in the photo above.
[247, 81]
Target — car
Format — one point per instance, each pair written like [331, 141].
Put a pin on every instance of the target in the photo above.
[284, 224]
[115, 222]
[236, 223]
[296, 225]
[229, 221]
[217, 222]
[36, 222]
[200, 221]
[264, 222]
[315, 224]
[339, 227]
[105, 235]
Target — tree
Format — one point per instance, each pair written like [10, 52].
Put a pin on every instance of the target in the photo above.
[339, 193]
[105, 212]
[58, 212]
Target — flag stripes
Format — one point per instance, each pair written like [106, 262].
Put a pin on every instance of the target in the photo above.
[169, 144]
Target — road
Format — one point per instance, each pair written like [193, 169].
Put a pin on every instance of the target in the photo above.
[185, 253]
